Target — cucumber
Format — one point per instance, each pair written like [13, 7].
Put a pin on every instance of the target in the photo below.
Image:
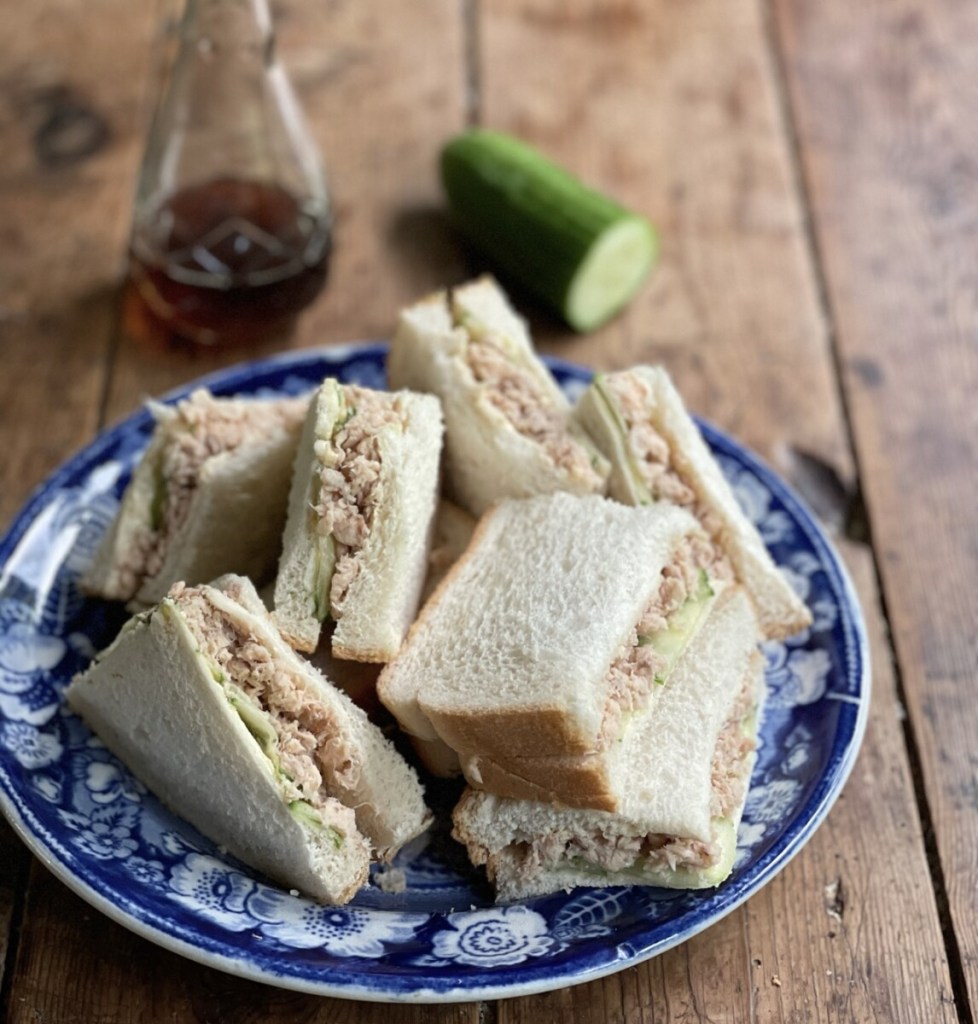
[578, 251]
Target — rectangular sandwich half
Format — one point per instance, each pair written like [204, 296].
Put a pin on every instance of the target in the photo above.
[363, 498]
[522, 650]
[638, 420]
[508, 426]
[235, 732]
[685, 774]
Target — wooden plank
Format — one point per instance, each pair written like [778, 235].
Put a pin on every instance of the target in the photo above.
[74, 964]
[67, 133]
[675, 109]
[379, 116]
[883, 98]
[14, 861]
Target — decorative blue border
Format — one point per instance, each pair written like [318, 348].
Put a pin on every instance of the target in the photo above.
[98, 830]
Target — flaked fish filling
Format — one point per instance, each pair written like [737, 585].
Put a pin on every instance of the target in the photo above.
[349, 476]
[518, 396]
[735, 745]
[203, 427]
[652, 852]
[633, 671]
[309, 745]
[654, 458]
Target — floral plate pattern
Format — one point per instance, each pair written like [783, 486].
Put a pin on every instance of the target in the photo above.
[442, 939]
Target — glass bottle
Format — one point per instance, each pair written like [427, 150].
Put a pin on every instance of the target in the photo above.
[231, 228]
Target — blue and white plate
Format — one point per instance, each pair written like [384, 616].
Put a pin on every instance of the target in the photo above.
[93, 825]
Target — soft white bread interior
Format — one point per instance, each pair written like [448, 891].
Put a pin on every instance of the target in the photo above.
[549, 591]
[235, 515]
[378, 606]
[154, 703]
[780, 610]
[674, 771]
[486, 457]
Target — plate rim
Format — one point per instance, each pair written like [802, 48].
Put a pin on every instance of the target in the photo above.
[468, 989]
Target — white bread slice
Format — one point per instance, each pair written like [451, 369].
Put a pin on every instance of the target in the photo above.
[780, 610]
[235, 519]
[667, 780]
[510, 655]
[154, 703]
[383, 599]
[595, 780]
[486, 457]
[379, 785]
[152, 698]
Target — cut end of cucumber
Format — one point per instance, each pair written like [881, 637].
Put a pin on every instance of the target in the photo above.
[616, 265]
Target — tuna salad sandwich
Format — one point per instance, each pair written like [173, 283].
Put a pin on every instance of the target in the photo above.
[508, 428]
[208, 496]
[576, 609]
[685, 770]
[657, 453]
[235, 732]
[363, 498]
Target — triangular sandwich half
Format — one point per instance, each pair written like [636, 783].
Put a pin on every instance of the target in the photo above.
[508, 428]
[208, 496]
[209, 707]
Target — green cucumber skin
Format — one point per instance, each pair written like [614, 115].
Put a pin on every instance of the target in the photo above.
[530, 217]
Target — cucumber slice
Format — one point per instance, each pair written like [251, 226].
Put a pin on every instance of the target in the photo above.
[580, 252]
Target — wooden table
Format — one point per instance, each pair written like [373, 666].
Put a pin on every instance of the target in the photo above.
[813, 168]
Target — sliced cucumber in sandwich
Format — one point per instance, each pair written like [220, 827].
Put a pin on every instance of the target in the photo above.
[580, 252]
[337, 413]
[683, 624]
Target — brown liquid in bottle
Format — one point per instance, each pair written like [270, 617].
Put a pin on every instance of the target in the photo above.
[227, 262]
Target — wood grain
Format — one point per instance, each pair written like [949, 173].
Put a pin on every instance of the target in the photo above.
[673, 108]
[74, 964]
[68, 143]
[677, 108]
[895, 211]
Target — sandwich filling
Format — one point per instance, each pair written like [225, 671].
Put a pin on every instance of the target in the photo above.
[665, 627]
[583, 846]
[298, 734]
[202, 428]
[515, 392]
[650, 453]
[349, 478]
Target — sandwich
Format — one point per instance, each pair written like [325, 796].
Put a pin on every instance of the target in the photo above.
[207, 497]
[575, 608]
[453, 531]
[240, 736]
[657, 453]
[363, 497]
[685, 770]
[508, 428]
